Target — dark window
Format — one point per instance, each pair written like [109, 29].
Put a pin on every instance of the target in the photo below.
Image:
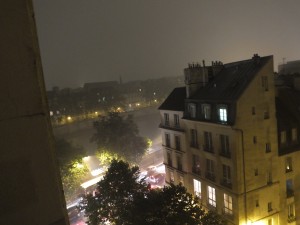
[169, 158]
[194, 141]
[266, 115]
[225, 151]
[177, 142]
[176, 120]
[253, 110]
[192, 110]
[256, 172]
[268, 147]
[265, 84]
[269, 179]
[196, 165]
[167, 139]
[179, 163]
[210, 170]
[226, 181]
[208, 142]
[257, 203]
[270, 206]
[166, 119]
[254, 140]
[289, 188]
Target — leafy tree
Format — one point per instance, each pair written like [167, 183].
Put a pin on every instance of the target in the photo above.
[119, 135]
[71, 166]
[123, 198]
[115, 194]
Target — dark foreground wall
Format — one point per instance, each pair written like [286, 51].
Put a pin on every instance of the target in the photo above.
[30, 186]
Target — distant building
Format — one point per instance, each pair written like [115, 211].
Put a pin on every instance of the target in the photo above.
[290, 67]
[223, 141]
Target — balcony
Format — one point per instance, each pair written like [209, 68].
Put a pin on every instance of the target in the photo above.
[196, 170]
[226, 154]
[211, 176]
[289, 193]
[226, 183]
[208, 148]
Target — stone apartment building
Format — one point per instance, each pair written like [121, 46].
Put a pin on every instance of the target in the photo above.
[227, 142]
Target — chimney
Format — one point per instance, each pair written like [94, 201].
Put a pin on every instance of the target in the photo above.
[216, 66]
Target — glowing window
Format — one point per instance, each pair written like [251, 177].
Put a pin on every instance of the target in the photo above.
[212, 196]
[227, 204]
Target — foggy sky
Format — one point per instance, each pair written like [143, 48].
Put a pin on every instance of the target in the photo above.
[99, 40]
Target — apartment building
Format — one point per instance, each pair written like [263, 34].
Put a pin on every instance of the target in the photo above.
[220, 137]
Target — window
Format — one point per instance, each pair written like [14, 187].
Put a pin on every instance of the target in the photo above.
[268, 147]
[257, 203]
[291, 211]
[194, 141]
[253, 110]
[289, 188]
[177, 142]
[206, 111]
[196, 165]
[223, 114]
[254, 140]
[270, 206]
[181, 180]
[208, 142]
[210, 170]
[266, 115]
[176, 120]
[256, 172]
[224, 139]
[212, 196]
[172, 179]
[179, 162]
[226, 176]
[167, 140]
[192, 110]
[282, 137]
[166, 119]
[264, 81]
[227, 204]
[197, 188]
[269, 178]
[294, 134]
[169, 158]
[288, 165]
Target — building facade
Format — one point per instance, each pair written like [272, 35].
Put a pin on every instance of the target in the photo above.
[228, 138]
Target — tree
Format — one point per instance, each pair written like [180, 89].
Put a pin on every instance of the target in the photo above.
[123, 198]
[71, 166]
[119, 135]
[115, 194]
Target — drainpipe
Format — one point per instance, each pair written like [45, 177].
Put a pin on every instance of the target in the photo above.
[244, 174]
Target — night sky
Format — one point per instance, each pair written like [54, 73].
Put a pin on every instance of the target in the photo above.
[96, 40]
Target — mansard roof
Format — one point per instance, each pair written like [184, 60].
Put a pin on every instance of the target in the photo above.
[232, 80]
[175, 101]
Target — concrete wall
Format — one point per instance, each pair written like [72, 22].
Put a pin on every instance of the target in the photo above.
[30, 186]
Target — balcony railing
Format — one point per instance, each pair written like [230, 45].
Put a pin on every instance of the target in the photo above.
[226, 154]
[196, 170]
[289, 193]
[208, 148]
[226, 183]
[211, 176]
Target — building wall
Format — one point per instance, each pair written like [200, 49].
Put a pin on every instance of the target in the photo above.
[30, 186]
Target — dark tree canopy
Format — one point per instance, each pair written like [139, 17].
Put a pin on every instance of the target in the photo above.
[119, 135]
[124, 199]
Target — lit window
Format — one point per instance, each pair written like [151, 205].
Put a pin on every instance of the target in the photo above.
[227, 204]
[192, 110]
[206, 111]
[197, 188]
[282, 137]
[176, 120]
[288, 165]
[223, 114]
[294, 134]
[172, 179]
[166, 119]
[212, 196]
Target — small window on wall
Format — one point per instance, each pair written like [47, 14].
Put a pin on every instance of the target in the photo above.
[253, 110]
[192, 110]
[222, 112]
[166, 119]
[172, 179]
[264, 83]
[176, 120]
[294, 134]
[197, 188]
[206, 111]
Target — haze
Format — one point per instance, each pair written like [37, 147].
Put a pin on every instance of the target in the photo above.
[97, 40]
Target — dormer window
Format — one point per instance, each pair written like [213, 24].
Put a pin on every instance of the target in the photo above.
[206, 111]
[222, 112]
[192, 110]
